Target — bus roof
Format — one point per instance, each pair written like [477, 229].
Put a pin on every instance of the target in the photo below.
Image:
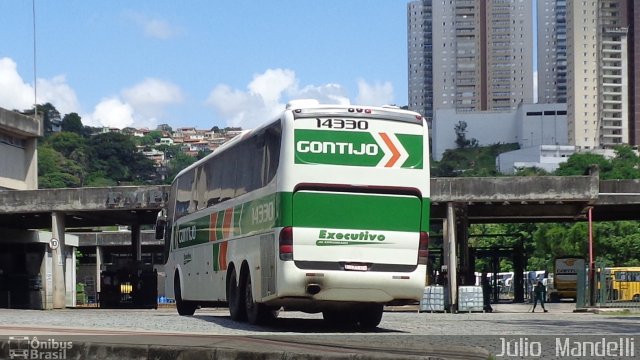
[306, 109]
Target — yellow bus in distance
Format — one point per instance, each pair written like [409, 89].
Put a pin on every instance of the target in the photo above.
[624, 283]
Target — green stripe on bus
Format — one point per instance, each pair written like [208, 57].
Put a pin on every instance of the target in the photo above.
[413, 144]
[193, 232]
[313, 209]
[219, 225]
[349, 211]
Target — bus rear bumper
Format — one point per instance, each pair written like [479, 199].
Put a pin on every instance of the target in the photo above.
[350, 286]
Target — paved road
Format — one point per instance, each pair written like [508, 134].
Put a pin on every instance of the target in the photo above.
[507, 319]
[402, 331]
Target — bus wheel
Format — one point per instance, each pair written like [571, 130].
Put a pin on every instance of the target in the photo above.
[339, 318]
[257, 313]
[236, 306]
[370, 315]
[636, 297]
[185, 308]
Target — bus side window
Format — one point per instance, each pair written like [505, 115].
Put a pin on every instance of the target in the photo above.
[273, 137]
[201, 188]
[213, 172]
[228, 169]
[246, 155]
[183, 195]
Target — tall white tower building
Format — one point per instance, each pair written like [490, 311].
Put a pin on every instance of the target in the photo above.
[480, 55]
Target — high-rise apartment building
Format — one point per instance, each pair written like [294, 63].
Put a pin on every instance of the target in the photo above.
[597, 73]
[420, 62]
[470, 55]
[552, 51]
[634, 71]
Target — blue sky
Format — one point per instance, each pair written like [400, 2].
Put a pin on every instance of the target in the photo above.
[200, 63]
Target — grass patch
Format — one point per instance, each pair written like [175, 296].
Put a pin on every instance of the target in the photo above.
[623, 312]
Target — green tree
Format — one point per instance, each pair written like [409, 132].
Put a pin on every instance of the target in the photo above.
[625, 165]
[72, 123]
[461, 136]
[50, 116]
[177, 163]
[579, 164]
[116, 155]
[150, 139]
[55, 171]
[66, 142]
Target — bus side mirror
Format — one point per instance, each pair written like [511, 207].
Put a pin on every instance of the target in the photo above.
[161, 224]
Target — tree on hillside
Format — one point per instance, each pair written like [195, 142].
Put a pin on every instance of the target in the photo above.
[579, 164]
[115, 155]
[50, 116]
[625, 164]
[152, 138]
[72, 123]
[66, 142]
[461, 136]
[177, 163]
[56, 171]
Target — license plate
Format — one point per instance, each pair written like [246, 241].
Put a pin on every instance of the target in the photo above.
[356, 267]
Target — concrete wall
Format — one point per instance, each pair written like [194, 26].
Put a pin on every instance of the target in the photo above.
[523, 126]
[487, 127]
[18, 146]
[547, 157]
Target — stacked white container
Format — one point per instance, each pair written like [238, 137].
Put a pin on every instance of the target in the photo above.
[470, 298]
[433, 299]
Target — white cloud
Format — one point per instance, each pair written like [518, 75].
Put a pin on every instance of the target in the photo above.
[326, 94]
[268, 92]
[377, 94]
[111, 112]
[154, 28]
[141, 105]
[150, 97]
[16, 94]
[57, 92]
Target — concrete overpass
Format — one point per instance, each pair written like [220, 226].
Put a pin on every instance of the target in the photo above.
[458, 202]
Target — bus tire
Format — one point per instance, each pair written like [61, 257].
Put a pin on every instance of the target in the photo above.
[636, 297]
[370, 315]
[185, 308]
[339, 318]
[257, 313]
[234, 298]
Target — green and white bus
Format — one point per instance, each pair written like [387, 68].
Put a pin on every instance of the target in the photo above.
[324, 209]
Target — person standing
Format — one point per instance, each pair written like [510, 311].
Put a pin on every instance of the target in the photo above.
[539, 294]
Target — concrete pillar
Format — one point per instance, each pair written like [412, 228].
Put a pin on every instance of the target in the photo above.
[46, 272]
[462, 236]
[98, 270]
[136, 243]
[70, 276]
[450, 258]
[58, 259]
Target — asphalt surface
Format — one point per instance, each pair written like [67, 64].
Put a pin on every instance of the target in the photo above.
[210, 333]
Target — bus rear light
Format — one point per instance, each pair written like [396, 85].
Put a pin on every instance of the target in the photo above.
[285, 243]
[423, 248]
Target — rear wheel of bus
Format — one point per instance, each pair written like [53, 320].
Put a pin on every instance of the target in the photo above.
[366, 316]
[257, 313]
[236, 305]
[185, 308]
